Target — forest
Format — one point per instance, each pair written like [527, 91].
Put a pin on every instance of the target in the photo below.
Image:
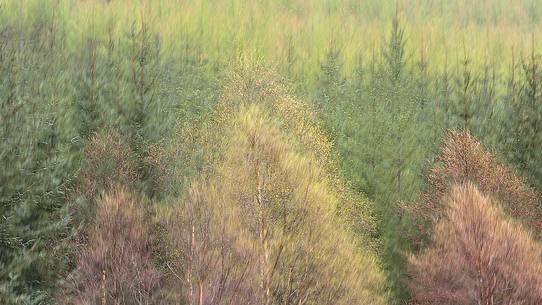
[285, 152]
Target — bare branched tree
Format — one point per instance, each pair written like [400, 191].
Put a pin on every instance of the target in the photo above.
[116, 265]
[264, 228]
[478, 256]
[463, 159]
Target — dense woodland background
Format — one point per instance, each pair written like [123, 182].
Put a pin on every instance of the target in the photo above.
[270, 152]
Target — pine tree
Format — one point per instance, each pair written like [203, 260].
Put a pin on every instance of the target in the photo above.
[36, 162]
[442, 101]
[144, 71]
[486, 101]
[356, 153]
[88, 98]
[400, 112]
[331, 91]
[526, 121]
[462, 111]
[382, 148]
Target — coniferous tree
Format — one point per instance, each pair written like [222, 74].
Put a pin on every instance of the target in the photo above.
[486, 101]
[400, 104]
[356, 154]
[144, 71]
[441, 103]
[331, 91]
[373, 138]
[139, 74]
[88, 98]
[526, 122]
[36, 161]
[463, 102]
[422, 83]
[383, 140]
[505, 140]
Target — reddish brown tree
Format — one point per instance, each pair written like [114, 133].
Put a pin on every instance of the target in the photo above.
[116, 265]
[478, 256]
[463, 159]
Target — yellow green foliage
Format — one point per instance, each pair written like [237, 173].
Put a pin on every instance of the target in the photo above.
[198, 144]
[270, 213]
[252, 83]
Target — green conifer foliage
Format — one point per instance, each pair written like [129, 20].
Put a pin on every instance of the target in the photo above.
[526, 122]
[380, 121]
[331, 91]
[36, 160]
